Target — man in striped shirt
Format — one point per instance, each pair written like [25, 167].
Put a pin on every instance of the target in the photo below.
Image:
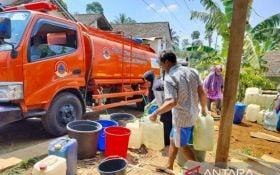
[183, 91]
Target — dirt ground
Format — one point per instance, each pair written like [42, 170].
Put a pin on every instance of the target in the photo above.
[240, 140]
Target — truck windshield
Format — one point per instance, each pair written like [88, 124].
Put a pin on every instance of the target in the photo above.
[19, 21]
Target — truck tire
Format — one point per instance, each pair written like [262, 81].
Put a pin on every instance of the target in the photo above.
[65, 108]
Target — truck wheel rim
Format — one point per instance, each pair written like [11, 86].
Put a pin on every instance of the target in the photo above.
[66, 114]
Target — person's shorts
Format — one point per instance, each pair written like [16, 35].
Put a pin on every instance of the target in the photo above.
[182, 136]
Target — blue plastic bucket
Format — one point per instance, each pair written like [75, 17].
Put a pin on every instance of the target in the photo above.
[239, 111]
[101, 139]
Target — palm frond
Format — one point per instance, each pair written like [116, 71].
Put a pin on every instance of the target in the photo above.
[250, 54]
[228, 4]
[271, 22]
[203, 16]
[266, 34]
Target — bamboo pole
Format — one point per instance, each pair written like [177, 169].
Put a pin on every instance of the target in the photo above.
[237, 30]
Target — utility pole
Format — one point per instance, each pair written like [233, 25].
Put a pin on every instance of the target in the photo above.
[237, 30]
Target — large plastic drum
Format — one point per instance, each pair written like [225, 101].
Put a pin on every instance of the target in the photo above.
[239, 111]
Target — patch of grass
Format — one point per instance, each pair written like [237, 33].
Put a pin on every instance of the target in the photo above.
[22, 167]
[248, 150]
[29, 163]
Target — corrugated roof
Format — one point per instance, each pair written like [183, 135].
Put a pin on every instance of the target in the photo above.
[145, 30]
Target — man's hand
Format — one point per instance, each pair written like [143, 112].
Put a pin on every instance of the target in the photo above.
[204, 113]
[153, 117]
[147, 106]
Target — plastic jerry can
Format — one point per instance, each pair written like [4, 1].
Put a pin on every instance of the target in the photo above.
[153, 134]
[252, 112]
[66, 148]
[252, 95]
[270, 120]
[203, 136]
[260, 117]
[135, 139]
[51, 165]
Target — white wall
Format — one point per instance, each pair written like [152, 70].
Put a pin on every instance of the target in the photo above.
[158, 45]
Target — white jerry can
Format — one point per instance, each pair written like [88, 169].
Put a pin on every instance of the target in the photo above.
[51, 165]
[135, 139]
[252, 112]
[153, 134]
[203, 136]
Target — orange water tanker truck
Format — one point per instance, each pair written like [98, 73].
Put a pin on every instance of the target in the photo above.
[55, 69]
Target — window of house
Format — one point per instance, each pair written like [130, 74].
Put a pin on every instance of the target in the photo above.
[51, 39]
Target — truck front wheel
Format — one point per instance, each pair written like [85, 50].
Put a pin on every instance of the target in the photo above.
[65, 108]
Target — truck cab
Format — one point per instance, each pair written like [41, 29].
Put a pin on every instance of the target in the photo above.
[42, 67]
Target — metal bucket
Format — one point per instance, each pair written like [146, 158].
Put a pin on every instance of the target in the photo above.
[112, 166]
[86, 132]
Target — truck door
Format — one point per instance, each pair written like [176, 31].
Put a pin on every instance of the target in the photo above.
[54, 61]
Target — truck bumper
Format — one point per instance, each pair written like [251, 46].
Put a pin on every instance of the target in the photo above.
[9, 114]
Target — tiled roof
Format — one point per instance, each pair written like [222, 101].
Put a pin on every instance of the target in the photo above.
[145, 30]
[89, 19]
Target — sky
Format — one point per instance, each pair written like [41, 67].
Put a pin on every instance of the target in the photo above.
[176, 12]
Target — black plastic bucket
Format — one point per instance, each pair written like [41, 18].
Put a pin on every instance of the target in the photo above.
[112, 166]
[123, 118]
[86, 132]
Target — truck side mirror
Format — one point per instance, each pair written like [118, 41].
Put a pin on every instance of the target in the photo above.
[5, 28]
[5, 33]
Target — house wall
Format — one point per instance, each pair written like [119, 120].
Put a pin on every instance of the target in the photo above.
[158, 45]
[94, 24]
[273, 64]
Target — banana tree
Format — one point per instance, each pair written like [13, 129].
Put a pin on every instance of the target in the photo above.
[258, 40]
[202, 57]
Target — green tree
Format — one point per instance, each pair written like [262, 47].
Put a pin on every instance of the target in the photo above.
[185, 43]
[195, 35]
[175, 39]
[196, 38]
[95, 7]
[123, 19]
[258, 40]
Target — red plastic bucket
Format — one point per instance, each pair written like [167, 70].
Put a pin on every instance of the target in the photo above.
[116, 141]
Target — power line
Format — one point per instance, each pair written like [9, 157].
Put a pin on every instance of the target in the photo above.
[154, 10]
[148, 5]
[173, 15]
[257, 13]
[188, 7]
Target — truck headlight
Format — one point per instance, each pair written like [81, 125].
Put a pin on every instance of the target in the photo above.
[11, 91]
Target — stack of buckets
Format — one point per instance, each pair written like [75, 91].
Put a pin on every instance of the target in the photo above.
[85, 138]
